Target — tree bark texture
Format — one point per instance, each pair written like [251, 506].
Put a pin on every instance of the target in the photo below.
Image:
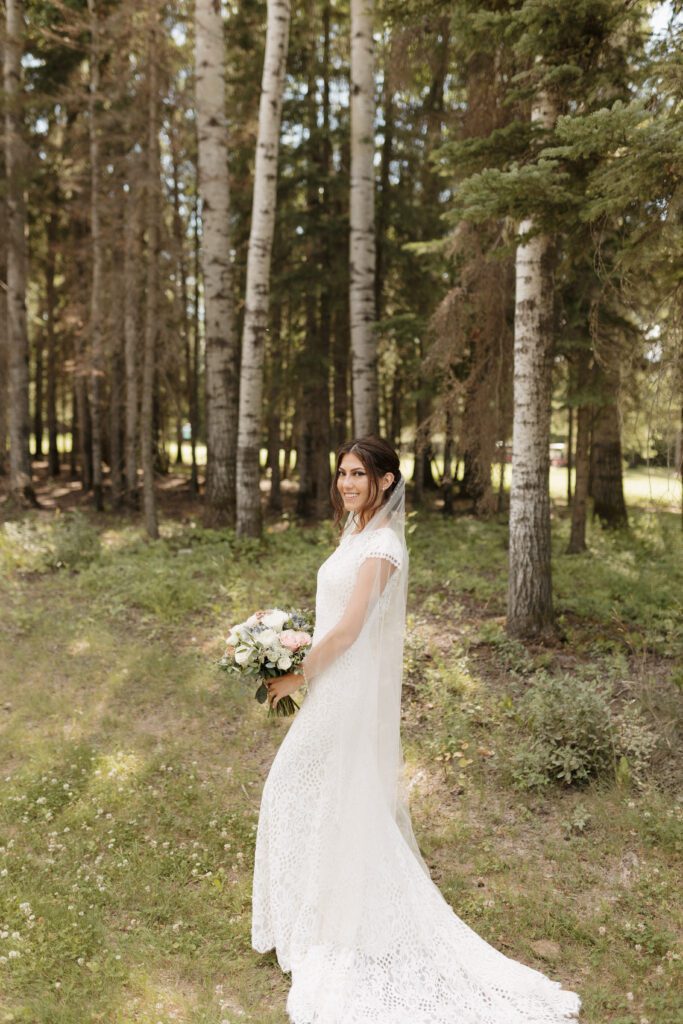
[51, 337]
[96, 294]
[147, 433]
[607, 481]
[220, 328]
[577, 538]
[258, 270]
[38, 394]
[3, 341]
[530, 608]
[362, 214]
[17, 333]
[131, 272]
[313, 449]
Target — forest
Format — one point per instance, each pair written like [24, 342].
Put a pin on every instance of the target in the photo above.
[236, 233]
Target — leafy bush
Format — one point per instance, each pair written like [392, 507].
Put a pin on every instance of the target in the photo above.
[40, 544]
[635, 743]
[568, 732]
[572, 735]
[76, 543]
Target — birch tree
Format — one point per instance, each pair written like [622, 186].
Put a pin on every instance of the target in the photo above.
[530, 608]
[221, 339]
[96, 354]
[362, 212]
[17, 334]
[258, 270]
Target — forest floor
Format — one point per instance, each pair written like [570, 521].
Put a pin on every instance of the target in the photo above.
[132, 767]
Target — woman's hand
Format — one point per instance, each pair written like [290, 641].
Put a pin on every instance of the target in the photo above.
[283, 686]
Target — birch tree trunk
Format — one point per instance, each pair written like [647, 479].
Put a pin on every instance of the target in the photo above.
[151, 298]
[131, 270]
[258, 270]
[17, 335]
[220, 328]
[362, 216]
[96, 354]
[530, 607]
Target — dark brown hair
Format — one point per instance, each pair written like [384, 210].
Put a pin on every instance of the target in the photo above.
[378, 458]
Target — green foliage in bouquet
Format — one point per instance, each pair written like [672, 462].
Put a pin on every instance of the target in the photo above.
[269, 644]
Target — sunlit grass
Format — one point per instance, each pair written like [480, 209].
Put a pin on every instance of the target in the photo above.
[132, 768]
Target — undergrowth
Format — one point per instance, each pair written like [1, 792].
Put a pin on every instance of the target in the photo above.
[132, 768]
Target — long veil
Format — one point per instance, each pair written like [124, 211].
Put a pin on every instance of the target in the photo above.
[372, 787]
[380, 647]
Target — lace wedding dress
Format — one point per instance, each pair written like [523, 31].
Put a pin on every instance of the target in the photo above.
[340, 890]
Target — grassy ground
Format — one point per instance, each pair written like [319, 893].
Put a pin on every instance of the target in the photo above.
[132, 769]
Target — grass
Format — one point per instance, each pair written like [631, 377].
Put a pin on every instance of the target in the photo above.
[132, 769]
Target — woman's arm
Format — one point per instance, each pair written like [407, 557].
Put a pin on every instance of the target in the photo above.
[371, 581]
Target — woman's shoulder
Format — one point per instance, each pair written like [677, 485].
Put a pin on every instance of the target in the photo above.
[383, 543]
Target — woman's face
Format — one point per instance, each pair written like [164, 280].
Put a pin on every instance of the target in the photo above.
[353, 483]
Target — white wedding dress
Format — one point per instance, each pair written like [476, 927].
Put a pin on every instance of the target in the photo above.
[340, 891]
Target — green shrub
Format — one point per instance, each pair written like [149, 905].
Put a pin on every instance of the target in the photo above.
[635, 743]
[568, 734]
[35, 544]
[572, 734]
[76, 543]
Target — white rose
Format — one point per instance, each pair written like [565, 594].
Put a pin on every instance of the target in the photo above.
[284, 662]
[267, 637]
[233, 640]
[242, 655]
[275, 619]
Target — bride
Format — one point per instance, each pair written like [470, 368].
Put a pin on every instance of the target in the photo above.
[340, 890]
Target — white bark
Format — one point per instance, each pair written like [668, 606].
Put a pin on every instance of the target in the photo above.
[17, 336]
[96, 354]
[362, 249]
[221, 340]
[258, 270]
[530, 610]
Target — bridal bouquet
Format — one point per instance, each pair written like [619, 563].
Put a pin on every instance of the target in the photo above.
[268, 644]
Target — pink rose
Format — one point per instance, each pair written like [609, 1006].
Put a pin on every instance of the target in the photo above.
[294, 639]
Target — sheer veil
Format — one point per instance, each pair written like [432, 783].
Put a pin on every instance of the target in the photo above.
[380, 647]
[372, 788]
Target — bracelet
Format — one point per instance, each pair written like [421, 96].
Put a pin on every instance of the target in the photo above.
[303, 673]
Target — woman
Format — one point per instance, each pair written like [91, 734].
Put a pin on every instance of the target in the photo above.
[340, 889]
